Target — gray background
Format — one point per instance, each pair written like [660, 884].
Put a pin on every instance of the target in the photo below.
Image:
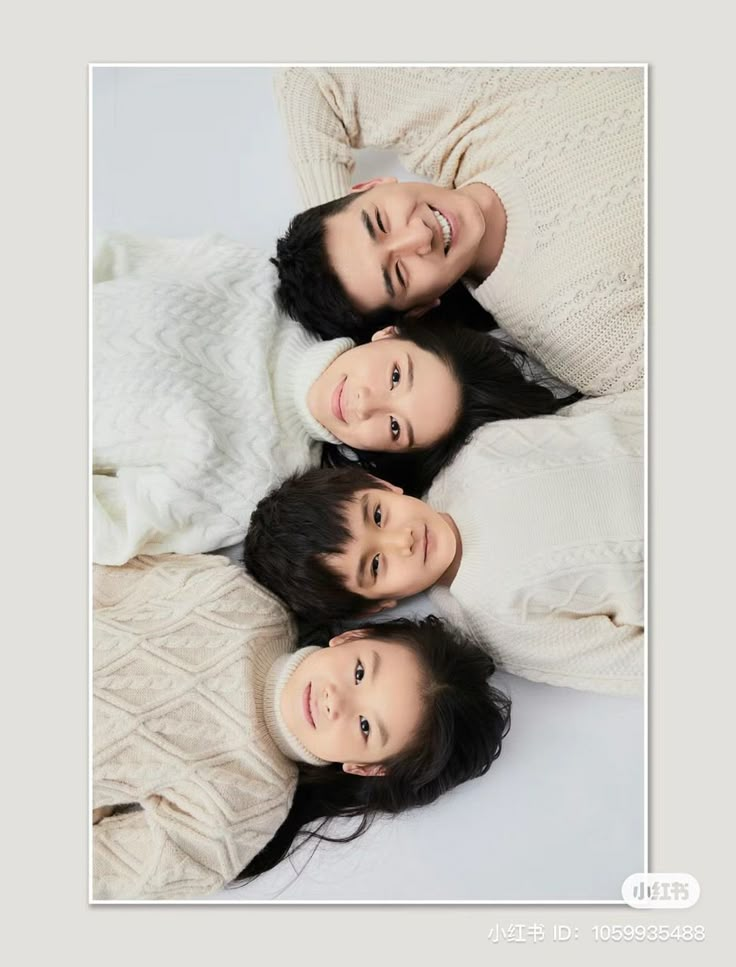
[44, 392]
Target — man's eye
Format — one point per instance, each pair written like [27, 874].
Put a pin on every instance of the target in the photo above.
[377, 516]
[395, 429]
[374, 565]
[359, 672]
[365, 727]
[379, 222]
[395, 377]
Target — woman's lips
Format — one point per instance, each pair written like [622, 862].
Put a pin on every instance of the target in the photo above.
[336, 401]
[426, 543]
[450, 216]
[307, 705]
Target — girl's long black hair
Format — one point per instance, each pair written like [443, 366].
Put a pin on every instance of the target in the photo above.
[464, 724]
[492, 387]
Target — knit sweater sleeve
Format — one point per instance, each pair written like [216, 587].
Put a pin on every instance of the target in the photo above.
[161, 852]
[329, 112]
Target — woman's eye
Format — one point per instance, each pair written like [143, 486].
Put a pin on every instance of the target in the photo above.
[374, 566]
[377, 516]
[359, 672]
[379, 222]
[400, 277]
[365, 727]
[395, 377]
[395, 429]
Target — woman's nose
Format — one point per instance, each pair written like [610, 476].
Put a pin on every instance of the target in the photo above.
[414, 238]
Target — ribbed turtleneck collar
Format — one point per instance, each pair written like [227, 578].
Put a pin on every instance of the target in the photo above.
[281, 671]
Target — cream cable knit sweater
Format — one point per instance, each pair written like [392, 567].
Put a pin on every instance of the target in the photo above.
[190, 657]
[551, 516]
[563, 149]
[199, 396]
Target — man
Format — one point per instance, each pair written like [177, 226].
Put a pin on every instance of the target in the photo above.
[536, 204]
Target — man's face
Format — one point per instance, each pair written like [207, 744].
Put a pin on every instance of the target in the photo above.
[398, 546]
[358, 704]
[402, 244]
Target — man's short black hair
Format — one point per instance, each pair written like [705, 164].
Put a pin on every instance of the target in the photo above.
[294, 528]
[309, 289]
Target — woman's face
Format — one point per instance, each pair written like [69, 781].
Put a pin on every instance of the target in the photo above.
[357, 702]
[388, 395]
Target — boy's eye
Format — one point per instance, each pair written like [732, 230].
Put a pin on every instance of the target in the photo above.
[377, 515]
[379, 222]
[395, 429]
[365, 727]
[395, 377]
[374, 566]
[359, 672]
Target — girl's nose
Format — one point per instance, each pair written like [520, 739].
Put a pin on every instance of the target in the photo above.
[332, 703]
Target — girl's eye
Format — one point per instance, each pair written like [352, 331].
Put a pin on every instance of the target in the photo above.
[395, 429]
[395, 377]
[374, 566]
[380, 223]
[377, 515]
[359, 672]
[365, 727]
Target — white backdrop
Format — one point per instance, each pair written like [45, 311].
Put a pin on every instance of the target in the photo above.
[560, 816]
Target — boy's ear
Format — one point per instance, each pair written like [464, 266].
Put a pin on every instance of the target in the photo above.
[386, 333]
[365, 185]
[417, 311]
[356, 769]
[388, 486]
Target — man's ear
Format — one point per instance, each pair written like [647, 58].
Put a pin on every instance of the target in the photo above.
[387, 333]
[418, 311]
[379, 606]
[365, 185]
[346, 636]
[356, 769]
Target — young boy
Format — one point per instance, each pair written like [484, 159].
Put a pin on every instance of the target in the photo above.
[532, 537]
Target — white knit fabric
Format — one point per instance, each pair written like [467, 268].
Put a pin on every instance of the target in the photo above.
[191, 753]
[199, 402]
[551, 516]
[563, 149]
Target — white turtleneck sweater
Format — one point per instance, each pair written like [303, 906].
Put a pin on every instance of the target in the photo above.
[550, 512]
[199, 394]
[562, 147]
[194, 769]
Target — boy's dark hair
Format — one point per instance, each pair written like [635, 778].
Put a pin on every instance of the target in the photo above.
[310, 292]
[294, 528]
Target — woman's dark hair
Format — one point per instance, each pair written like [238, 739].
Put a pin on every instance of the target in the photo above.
[460, 736]
[492, 387]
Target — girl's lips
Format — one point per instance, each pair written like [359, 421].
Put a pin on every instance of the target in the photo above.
[307, 705]
[336, 401]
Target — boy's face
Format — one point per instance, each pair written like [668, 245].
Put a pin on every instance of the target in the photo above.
[388, 395]
[390, 248]
[358, 703]
[399, 546]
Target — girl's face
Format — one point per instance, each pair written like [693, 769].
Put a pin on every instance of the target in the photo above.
[388, 395]
[357, 702]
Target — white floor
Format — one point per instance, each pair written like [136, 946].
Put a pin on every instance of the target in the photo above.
[560, 816]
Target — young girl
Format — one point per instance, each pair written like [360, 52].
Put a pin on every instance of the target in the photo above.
[204, 396]
[215, 742]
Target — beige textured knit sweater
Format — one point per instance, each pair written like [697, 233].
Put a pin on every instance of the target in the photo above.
[563, 149]
[190, 657]
[551, 515]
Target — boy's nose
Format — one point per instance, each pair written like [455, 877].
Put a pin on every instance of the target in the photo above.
[401, 541]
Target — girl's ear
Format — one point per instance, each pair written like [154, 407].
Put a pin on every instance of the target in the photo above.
[386, 333]
[346, 636]
[356, 769]
[364, 185]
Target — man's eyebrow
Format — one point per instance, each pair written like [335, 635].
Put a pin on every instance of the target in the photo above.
[374, 672]
[368, 225]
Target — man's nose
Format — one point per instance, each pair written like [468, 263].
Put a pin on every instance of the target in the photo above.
[414, 238]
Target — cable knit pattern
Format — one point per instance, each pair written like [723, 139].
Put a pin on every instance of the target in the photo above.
[199, 396]
[551, 515]
[563, 149]
[185, 725]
